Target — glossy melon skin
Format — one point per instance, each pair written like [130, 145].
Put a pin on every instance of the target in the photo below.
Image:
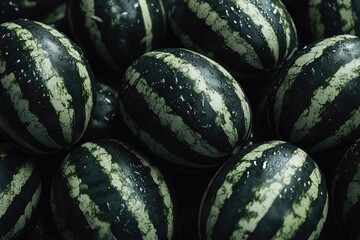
[117, 31]
[345, 194]
[46, 91]
[107, 189]
[268, 190]
[184, 108]
[314, 101]
[329, 18]
[250, 38]
[20, 189]
[105, 118]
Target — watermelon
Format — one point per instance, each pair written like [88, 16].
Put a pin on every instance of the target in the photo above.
[20, 189]
[107, 189]
[184, 108]
[327, 18]
[249, 37]
[314, 101]
[269, 190]
[46, 87]
[117, 32]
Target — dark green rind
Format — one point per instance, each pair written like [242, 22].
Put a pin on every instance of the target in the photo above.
[105, 119]
[346, 181]
[11, 161]
[331, 19]
[181, 97]
[275, 159]
[298, 96]
[31, 82]
[184, 21]
[113, 208]
[14, 9]
[124, 39]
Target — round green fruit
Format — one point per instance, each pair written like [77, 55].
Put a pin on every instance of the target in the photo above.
[106, 189]
[184, 108]
[46, 87]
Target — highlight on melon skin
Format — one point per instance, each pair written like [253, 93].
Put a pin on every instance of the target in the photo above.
[46, 87]
[185, 108]
[314, 100]
[251, 38]
[106, 189]
[270, 190]
[117, 32]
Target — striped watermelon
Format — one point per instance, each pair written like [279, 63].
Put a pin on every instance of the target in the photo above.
[248, 36]
[108, 190]
[117, 31]
[345, 192]
[270, 190]
[46, 87]
[184, 107]
[315, 101]
[20, 189]
[327, 18]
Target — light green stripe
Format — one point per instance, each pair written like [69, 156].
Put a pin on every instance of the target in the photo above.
[245, 107]
[59, 98]
[348, 17]
[91, 24]
[288, 27]
[148, 38]
[225, 190]
[164, 14]
[11, 132]
[323, 96]
[23, 219]
[55, 15]
[168, 119]
[163, 190]
[87, 206]
[82, 70]
[317, 26]
[221, 27]
[28, 3]
[258, 19]
[340, 134]
[296, 69]
[201, 86]
[13, 189]
[266, 195]
[155, 145]
[318, 230]
[123, 185]
[30, 120]
[300, 209]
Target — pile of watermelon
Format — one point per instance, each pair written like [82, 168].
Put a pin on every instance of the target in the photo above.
[179, 119]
